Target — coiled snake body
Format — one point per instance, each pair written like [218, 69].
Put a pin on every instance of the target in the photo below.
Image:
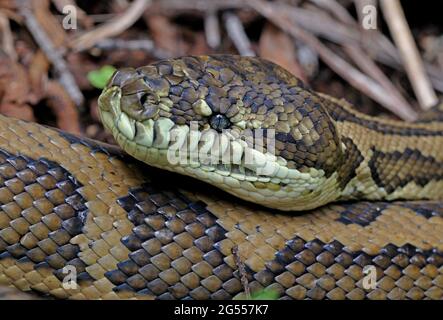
[128, 230]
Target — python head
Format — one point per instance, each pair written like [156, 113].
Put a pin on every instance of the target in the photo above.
[242, 124]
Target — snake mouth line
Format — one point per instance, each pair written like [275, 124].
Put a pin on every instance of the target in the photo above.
[218, 158]
[212, 152]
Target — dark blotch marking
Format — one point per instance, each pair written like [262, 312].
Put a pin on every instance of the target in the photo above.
[95, 146]
[361, 213]
[174, 266]
[341, 114]
[396, 169]
[174, 240]
[352, 160]
[219, 122]
[427, 209]
[365, 212]
[64, 221]
[316, 270]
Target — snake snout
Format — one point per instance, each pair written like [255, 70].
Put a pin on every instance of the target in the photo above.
[122, 77]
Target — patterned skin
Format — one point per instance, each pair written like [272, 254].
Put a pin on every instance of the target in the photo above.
[322, 150]
[70, 203]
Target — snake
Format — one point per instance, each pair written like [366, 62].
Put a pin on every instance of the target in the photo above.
[315, 201]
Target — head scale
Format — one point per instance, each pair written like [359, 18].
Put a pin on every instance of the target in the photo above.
[227, 98]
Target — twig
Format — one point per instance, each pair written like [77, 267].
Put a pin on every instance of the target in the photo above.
[335, 62]
[145, 45]
[212, 29]
[63, 108]
[362, 59]
[339, 11]
[307, 58]
[277, 46]
[392, 59]
[65, 77]
[200, 5]
[402, 35]
[7, 40]
[321, 24]
[237, 34]
[113, 27]
[242, 271]
[380, 46]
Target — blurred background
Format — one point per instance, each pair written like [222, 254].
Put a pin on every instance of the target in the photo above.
[385, 56]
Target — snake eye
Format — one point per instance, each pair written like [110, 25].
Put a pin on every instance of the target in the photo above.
[219, 122]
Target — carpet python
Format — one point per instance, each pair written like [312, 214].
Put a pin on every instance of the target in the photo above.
[357, 195]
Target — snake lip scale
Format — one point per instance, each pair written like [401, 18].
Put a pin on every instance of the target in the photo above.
[127, 230]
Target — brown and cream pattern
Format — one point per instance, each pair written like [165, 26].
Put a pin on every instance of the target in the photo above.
[131, 233]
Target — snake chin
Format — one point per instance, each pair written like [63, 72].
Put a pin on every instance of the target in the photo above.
[219, 158]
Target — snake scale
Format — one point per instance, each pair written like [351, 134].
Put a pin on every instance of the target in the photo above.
[353, 191]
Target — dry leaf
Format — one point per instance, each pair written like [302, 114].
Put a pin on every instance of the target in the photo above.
[14, 86]
[49, 23]
[18, 111]
[38, 76]
[278, 47]
[63, 107]
[165, 34]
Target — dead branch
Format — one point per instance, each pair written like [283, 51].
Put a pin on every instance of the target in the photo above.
[335, 62]
[242, 272]
[402, 35]
[63, 108]
[237, 34]
[362, 59]
[144, 45]
[49, 24]
[380, 46]
[199, 5]
[65, 77]
[364, 62]
[113, 27]
[338, 10]
[6, 38]
[212, 30]
[277, 46]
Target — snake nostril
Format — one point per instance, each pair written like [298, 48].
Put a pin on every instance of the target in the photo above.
[143, 99]
[219, 122]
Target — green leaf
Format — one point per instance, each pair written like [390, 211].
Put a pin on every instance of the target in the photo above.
[265, 294]
[99, 78]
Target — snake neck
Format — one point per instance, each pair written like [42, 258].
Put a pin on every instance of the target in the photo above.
[385, 159]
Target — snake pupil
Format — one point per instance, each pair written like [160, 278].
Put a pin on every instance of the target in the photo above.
[219, 122]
